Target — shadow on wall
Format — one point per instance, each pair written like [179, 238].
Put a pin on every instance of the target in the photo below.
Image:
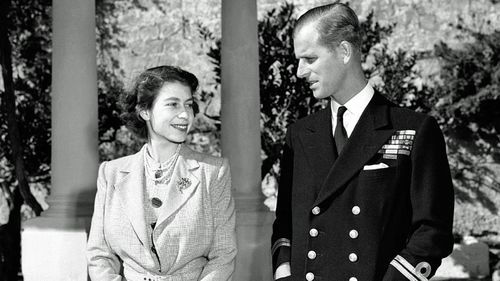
[85, 207]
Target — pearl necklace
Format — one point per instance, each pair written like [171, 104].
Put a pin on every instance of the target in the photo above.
[159, 173]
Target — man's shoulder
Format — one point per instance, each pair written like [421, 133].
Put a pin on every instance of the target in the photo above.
[406, 116]
[311, 119]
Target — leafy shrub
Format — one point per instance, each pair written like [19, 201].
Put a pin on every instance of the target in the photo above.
[466, 103]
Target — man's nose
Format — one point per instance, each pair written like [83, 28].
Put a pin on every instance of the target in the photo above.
[301, 70]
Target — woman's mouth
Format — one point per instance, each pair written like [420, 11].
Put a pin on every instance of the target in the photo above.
[180, 127]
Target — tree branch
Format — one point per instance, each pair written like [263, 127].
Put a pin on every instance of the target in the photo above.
[9, 107]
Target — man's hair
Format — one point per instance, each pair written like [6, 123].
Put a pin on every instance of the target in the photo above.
[335, 23]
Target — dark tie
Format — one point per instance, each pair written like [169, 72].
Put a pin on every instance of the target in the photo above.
[340, 134]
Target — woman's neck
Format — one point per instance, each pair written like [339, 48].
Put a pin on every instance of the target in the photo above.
[161, 150]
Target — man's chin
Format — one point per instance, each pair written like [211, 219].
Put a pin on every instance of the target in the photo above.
[319, 95]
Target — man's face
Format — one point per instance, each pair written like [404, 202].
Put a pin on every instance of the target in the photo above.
[322, 67]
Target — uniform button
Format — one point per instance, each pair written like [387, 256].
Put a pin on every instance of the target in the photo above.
[353, 234]
[353, 279]
[310, 276]
[353, 257]
[356, 210]
[313, 232]
[311, 255]
[316, 210]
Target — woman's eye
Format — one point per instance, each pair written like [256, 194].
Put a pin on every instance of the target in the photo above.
[189, 105]
[171, 104]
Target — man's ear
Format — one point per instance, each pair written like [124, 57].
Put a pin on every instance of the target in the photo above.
[144, 114]
[346, 51]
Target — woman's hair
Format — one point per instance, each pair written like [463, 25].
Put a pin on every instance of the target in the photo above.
[144, 91]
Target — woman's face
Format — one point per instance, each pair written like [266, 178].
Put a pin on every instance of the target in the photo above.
[171, 114]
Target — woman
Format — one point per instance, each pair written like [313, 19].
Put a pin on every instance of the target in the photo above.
[166, 212]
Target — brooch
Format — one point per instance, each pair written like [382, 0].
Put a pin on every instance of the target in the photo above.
[183, 183]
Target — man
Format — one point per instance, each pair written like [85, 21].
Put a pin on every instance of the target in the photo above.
[365, 192]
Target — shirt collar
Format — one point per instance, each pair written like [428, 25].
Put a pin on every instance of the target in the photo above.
[357, 104]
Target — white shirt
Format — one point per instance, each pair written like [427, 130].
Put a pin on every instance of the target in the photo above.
[355, 107]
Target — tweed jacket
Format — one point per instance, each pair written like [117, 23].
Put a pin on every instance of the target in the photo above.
[380, 210]
[194, 237]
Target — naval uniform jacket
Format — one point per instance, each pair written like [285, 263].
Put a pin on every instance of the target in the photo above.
[348, 218]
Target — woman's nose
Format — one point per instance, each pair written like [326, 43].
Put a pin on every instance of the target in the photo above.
[183, 114]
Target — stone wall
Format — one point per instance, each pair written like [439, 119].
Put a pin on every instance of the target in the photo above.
[168, 35]
[419, 23]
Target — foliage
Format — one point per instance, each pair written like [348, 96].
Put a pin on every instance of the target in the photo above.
[113, 142]
[283, 97]
[30, 36]
[24, 120]
[394, 75]
[466, 104]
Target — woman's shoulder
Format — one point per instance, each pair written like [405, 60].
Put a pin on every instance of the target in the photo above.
[111, 166]
[204, 158]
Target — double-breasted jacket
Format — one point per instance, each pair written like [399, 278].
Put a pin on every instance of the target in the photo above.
[381, 210]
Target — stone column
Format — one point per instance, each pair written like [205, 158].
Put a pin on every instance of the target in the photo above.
[241, 136]
[53, 245]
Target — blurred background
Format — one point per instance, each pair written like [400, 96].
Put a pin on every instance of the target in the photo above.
[438, 57]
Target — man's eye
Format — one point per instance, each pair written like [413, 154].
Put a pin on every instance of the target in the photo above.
[189, 105]
[310, 60]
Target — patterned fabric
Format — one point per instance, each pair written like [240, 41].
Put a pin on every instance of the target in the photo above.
[194, 234]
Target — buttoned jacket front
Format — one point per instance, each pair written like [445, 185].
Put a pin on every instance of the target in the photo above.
[194, 237]
[344, 219]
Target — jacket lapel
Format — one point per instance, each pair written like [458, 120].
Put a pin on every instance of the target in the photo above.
[318, 143]
[130, 190]
[371, 132]
[185, 180]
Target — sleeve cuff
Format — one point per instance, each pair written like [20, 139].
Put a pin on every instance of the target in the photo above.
[280, 252]
[418, 273]
[279, 243]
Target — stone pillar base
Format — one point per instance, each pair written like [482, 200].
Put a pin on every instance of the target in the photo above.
[253, 229]
[53, 245]
[51, 252]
